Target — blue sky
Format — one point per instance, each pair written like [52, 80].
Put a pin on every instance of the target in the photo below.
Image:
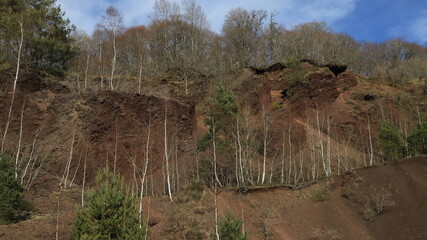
[370, 20]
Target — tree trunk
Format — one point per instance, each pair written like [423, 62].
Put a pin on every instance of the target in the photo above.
[15, 80]
[214, 151]
[113, 63]
[18, 151]
[167, 154]
[87, 70]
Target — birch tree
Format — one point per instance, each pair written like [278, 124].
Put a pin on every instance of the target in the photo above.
[18, 49]
[266, 122]
[112, 23]
[167, 152]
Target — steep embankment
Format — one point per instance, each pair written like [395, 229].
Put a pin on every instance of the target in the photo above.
[61, 128]
[333, 208]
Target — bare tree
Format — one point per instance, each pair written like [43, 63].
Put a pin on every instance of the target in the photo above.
[144, 173]
[18, 151]
[15, 80]
[214, 151]
[266, 122]
[113, 25]
[167, 152]
[242, 32]
[64, 179]
[84, 182]
[371, 149]
[32, 156]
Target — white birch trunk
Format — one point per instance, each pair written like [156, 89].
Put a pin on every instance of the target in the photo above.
[371, 148]
[18, 151]
[167, 155]
[15, 80]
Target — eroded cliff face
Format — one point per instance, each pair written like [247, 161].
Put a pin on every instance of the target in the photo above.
[103, 128]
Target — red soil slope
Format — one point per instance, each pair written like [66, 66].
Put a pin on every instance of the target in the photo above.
[330, 209]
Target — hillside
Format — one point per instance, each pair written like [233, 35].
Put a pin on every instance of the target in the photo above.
[315, 114]
[330, 209]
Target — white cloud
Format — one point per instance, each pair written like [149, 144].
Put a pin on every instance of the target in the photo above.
[419, 28]
[413, 30]
[291, 12]
[86, 13]
[83, 13]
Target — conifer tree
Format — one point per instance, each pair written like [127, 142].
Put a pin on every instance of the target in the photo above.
[13, 207]
[110, 211]
[46, 34]
[390, 141]
[231, 229]
[418, 140]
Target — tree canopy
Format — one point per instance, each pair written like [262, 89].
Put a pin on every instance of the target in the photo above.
[47, 41]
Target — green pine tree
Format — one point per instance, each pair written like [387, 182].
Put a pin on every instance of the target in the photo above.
[390, 141]
[110, 212]
[231, 229]
[221, 111]
[47, 41]
[417, 140]
[13, 207]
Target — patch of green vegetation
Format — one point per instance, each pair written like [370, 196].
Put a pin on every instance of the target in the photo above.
[349, 191]
[345, 88]
[298, 73]
[320, 194]
[368, 213]
[193, 230]
[13, 207]
[230, 228]
[110, 211]
[402, 100]
[326, 235]
[192, 192]
[417, 140]
[391, 141]
[277, 105]
[4, 66]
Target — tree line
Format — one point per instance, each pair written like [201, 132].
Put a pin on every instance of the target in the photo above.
[179, 39]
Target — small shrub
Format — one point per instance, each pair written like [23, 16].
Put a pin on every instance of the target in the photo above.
[267, 215]
[298, 73]
[377, 201]
[320, 194]
[368, 213]
[293, 63]
[192, 192]
[359, 96]
[195, 190]
[348, 193]
[193, 230]
[350, 190]
[326, 235]
[381, 199]
[276, 105]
